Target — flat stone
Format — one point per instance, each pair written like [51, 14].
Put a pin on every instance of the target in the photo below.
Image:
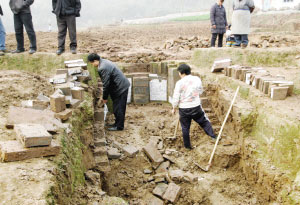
[64, 115]
[167, 157]
[147, 171]
[189, 177]
[74, 103]
[150, 179]
[160, 189]
[100, 142]
[58, 79]
[11, 151]
[163, 167]
[78, 93]
[159, 180]
[19, 115]
[74, 61]
[279, 93]
[75, 70]
[176, 175]
[35, 104]
[113, 153]
[219, 65]
[130, 150]
[172, 193]
[74, 65]
[93, 177]
[98, 151]
[152, 200]
[42, 97]
[65, 88]
[102, 160]
[57, 103]
[153, 154]
[33, 135]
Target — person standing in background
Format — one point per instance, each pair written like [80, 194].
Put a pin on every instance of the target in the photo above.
[241, 19]
[2, 35]
[22, 17]
[218, 23]
[66, 12]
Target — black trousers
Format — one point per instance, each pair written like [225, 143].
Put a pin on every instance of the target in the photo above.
[65, 23]
[20, 20]
[214, 38]
[119, 108]
[198, 115]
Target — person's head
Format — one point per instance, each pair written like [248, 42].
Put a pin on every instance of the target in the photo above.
[94, 59]
[184, 70]
[220, 2]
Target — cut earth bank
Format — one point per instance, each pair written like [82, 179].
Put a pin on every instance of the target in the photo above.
[252, 165]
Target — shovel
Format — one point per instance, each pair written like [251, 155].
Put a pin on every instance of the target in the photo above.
[219, 136]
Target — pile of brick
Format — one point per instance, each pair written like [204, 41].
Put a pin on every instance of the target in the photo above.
[141, 57]
[36, 119]
[184, 43]
[165, 178]
[276, 87]
[274, 41]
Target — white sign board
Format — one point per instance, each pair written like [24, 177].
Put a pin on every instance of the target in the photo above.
[129, 91]
[158, 90]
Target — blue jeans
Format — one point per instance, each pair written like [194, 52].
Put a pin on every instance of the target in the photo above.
[241, 39]
[2, 36]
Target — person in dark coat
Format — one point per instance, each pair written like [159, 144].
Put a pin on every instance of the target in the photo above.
[22, 17]
[2, 35]
[66, 12]
[218, 23]
[115, 85]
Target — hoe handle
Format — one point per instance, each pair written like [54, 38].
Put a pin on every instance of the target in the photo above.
[221, 130]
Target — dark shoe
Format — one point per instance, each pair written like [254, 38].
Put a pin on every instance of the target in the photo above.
[115, 129]
[73, 50]
[60, 51]
[244, 46]
[32, 51]
[18, 51]
[190, 148]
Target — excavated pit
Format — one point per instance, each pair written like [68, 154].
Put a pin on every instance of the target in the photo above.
[224, 183]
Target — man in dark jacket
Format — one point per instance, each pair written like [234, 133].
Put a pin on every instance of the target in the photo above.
[218, 23]
[22, 17]
[66, 12]
[115, 84]
[2, 35]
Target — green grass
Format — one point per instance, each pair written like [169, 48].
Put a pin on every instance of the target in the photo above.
[204, 17]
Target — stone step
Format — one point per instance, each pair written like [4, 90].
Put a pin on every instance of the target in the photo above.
[102, 160]
[98, 151]
[14, 151]
[100, 142]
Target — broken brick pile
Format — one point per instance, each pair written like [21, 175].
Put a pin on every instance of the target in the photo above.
[267, 41]
[276, 87]
[36, 120]
[186, 43]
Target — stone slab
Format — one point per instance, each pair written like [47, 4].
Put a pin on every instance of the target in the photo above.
[152, 200]
[172, 193]
[32, 135]
[102, 160]
[77, 93]
[98, 151]
[57, 102]
[64, 115]
[19, 115]
[160, 189]
[61, 71]
[100, 142]
[79, 64]
[73, 61]
[219, 65]
[153, 154]
[74, 71]
[279, 93]
[58, 79]
[163, 167]
[11, 151]
[176, 175]
[130, 150]
[113, 153]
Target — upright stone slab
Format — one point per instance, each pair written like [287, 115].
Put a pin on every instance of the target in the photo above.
[11, 151]
[57, 103]
[33, 135]
[219, 65]
[141, 90]
[172, 193]
[173, 77]
[78, 93]
[75, 70]
[279, 93]
[153, 154]
[129, 97]
[164, 68]
[158, 88]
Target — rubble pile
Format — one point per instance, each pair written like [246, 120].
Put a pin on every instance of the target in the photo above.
[267, 41]
[184, 43]
[37, 120]
[276, 87]
[140, 57]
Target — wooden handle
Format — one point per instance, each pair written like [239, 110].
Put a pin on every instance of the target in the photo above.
[221, 130]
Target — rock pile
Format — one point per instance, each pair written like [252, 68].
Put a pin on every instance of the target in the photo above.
[267, 41]
[140, 57]
[184, 43]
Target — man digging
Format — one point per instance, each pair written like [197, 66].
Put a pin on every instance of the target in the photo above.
[187, 97]
[116, 85]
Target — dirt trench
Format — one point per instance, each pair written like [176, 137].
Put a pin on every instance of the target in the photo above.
[225, 182]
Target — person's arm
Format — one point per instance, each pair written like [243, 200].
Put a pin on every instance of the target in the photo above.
[176, 96]
[105, 78]
[54, 5]
[28, 3]
[251, 5]
[78, 8]
[199, 86]
[212, 16]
